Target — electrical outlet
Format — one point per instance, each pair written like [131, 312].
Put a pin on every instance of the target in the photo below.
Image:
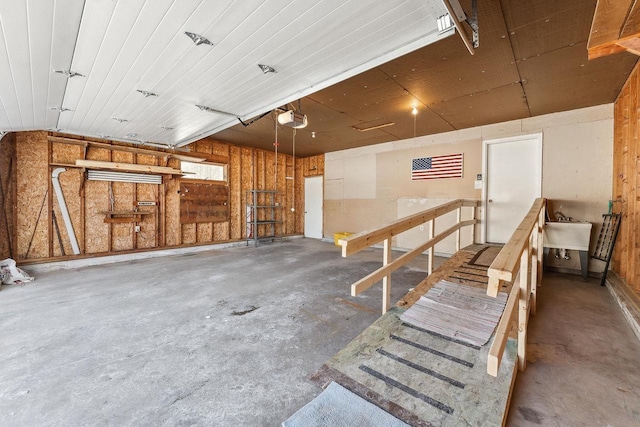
[137, 228]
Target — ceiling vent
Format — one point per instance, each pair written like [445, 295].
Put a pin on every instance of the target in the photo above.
[293, 119]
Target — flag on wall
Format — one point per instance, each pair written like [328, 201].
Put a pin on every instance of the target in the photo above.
[448, 166]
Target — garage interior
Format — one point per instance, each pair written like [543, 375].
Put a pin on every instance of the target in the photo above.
[156, 167]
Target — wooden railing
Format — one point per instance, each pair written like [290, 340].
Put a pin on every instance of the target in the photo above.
[519, 262]
[357, 242]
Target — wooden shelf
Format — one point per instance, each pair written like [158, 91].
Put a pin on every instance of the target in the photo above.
[123, 217]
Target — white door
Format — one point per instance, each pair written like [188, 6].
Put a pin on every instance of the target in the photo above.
[313, 207]
[513, 180]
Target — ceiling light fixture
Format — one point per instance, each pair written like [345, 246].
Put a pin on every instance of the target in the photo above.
[198, 39]
[60, 109]
[313, 134]
[146, 93]
[69, 73]
[267, 69]
[414, 111]
[166, 128]
[119, 120]
[213, 110]
[384, 125]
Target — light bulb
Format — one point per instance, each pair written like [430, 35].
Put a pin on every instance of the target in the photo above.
[414, 111]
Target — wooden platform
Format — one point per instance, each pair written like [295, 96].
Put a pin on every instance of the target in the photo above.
[421, 377]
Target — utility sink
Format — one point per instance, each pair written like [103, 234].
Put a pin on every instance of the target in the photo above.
[567, 235]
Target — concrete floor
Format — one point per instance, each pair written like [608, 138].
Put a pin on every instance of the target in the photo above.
[583, 360]
[156, 342]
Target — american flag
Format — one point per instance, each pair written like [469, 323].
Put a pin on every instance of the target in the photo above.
[449, 166]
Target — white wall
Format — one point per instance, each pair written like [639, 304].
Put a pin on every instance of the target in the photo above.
[370, 186]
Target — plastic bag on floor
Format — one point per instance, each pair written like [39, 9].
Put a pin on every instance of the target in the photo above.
[10, 274]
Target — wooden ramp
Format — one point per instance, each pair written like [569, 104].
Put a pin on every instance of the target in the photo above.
[421, 377]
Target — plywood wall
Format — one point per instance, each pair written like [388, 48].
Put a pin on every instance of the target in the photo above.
[36, 235]
[7, 195]
[626, 180]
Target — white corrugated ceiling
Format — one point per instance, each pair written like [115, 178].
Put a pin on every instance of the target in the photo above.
[120, 48]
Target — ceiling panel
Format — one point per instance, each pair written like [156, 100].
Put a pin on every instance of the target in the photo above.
[140, 44]
[539, 27]
[564, 79]
[445, 70]
[507, 103]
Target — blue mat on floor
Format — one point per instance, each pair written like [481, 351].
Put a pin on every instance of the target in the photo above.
[338, 407]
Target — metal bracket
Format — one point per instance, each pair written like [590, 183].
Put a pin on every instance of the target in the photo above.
[473, 23]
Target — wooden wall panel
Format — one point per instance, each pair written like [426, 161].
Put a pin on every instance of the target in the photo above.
[235, 189]
[70, 182]
[173, 228]
[96, 232]
[7, 195]
[626, 175]
[32, 190]
[247, 169]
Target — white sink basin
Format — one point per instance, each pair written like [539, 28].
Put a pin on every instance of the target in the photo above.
[567, 235]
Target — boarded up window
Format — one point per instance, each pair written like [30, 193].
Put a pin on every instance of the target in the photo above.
[204, 171]
[203, 202]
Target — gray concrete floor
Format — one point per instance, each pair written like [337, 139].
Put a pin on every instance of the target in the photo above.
[155, 342]
[583, 360]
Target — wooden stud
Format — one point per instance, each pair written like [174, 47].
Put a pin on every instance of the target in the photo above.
[458, 219]
[386, 280]
[523, 309]
[432, 232]
[534, 268]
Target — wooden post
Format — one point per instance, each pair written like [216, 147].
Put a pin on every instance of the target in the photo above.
[432, 229]
[473, 227]
[523, 309]
[540, 265]
[386, 281]
[458, 219]
[534, 267]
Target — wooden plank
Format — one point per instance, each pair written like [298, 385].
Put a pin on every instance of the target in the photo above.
[502, 332]
[195, 158]
[365, 283]
[632, 24]
[606, 50]
[630, 197]
[608, 20]
[128, 167]
[631, 45]
[506, 263]
[359, 241]
[462, 30]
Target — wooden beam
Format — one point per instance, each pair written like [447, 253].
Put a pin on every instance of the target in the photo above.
[195, 158]
[608, 21]
[502, 332]
[464, 34]
[128, 167]
[632, 24]
[600, 51]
